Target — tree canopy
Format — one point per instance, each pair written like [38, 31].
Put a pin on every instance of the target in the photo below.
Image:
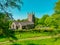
[5, 14]
[7, 5]
[57, 7]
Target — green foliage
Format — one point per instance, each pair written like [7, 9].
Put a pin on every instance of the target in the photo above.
[23, 20]
[6, 17]
[4, 21]
[41, 21]
[52, 21]
[7, 5]
[10, 4]
[57, 7]
[36, 21]
[18, 20]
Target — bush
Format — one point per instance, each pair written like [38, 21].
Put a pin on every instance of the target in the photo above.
[1, 32]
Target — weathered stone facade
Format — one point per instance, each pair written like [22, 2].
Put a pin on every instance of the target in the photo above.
[24, 25]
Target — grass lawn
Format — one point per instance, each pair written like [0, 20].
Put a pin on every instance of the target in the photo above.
[32, 34]
[41, 42]
[51, 41]
[23, 35]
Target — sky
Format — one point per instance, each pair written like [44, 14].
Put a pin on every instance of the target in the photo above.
[39, 7]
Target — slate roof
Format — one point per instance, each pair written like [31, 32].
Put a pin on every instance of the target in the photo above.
[23, 23]
[26, 23]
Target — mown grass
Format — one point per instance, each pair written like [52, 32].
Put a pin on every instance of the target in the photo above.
[32, 34]
[28, 34]
[41, 42]
[51, 41]
[22, 35]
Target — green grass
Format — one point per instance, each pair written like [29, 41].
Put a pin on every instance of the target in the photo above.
[42, 42]
[3, 39]
[23, 35]
[31, 34]
[51, 41]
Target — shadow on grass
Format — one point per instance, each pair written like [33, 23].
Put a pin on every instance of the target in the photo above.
[10, 34]
[35, 44]
[16, 44]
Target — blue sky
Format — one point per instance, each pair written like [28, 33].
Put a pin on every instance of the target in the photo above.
[39, 7]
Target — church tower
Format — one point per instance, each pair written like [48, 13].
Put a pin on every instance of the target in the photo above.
[31, 17]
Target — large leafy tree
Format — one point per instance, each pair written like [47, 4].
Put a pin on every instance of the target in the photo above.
[41, 21]
[57, 7]
[54, 20]
[7, 5]
[5, 14]
[50, 22]
[56, 15]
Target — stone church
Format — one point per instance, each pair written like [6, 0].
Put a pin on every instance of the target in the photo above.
[24, 25]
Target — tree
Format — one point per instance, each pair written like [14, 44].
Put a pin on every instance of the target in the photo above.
[7, 5]
[36, 21]
[56, 15]
[23, 20]
[18, 20]
[41, 21]
[50, 21]
[57, 7]
[6, 16]
[53, 21]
